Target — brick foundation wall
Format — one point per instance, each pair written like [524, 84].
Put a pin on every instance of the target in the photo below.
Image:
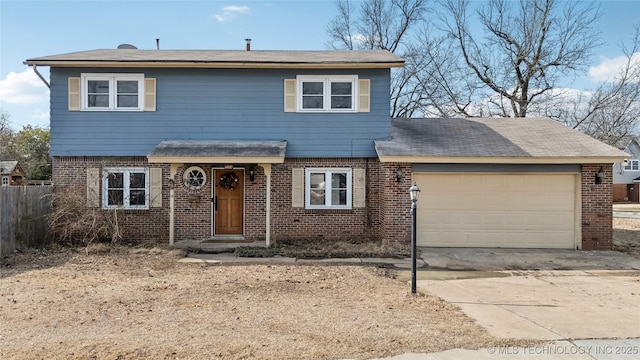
[597, 208]
[70, 174]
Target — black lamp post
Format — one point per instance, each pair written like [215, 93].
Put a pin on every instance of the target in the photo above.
[414, 191]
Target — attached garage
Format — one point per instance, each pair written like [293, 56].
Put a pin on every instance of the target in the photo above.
[496, 182]
[498, 210]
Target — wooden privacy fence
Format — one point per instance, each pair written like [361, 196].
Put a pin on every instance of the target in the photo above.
[24, 212]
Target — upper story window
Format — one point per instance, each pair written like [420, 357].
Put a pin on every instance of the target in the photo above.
[113, 92]
[125, 188]
[632, 165]
[6, 181]
[327, 93]
[328, 188]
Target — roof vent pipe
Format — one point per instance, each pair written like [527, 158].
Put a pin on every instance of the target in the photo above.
[248, 44]
[157, 44]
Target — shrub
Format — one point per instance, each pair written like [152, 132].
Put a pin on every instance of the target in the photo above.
[72, 222]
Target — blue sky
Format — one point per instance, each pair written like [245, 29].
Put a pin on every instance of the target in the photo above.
[38, 28]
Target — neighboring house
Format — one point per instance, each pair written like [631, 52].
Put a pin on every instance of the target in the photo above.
[275, 145]
[626, 175]
[11, 173]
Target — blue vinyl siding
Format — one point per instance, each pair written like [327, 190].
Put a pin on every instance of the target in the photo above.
[218, 104]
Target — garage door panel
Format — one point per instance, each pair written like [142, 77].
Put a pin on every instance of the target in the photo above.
[498, 239]
[497, 210]
[559, 221]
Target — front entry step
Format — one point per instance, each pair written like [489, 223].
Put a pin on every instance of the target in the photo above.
[226, 239]
[216, 246]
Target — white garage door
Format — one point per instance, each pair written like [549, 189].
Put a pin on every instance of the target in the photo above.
[497, 210]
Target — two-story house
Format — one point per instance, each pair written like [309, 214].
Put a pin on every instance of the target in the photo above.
[272, 145]
[626, 175]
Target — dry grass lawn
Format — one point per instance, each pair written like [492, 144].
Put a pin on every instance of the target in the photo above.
[626, 236]
[122, 303]
[107, 302]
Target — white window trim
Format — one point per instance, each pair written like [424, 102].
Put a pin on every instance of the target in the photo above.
[112, 78]
[327, 80]
[630, 165]
[126, 171]
[6, 180]
[328, 172]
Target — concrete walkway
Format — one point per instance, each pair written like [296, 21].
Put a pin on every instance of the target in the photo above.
[480, 259]
[631, 210]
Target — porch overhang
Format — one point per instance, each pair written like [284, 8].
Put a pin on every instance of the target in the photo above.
[214, 151]
[179, 152]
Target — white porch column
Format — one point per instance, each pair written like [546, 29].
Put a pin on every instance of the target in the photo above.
[267, 172]
[172, 205]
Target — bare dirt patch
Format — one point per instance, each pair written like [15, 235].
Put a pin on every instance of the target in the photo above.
[626, 236]
[116, 303]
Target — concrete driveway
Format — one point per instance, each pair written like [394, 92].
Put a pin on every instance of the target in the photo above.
[547, 305]
[492, 259]
[539, 294]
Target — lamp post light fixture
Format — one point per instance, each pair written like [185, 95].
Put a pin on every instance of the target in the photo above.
[414, 192]
[600, 176]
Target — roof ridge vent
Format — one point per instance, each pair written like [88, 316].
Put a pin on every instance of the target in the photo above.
[127, 46]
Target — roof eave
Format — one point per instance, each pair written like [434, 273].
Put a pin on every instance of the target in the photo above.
[215, 65]
[500, 159]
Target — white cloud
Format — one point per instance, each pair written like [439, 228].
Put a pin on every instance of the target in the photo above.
[40, 115]
[609, 69]
[23, 88]
[229, 11]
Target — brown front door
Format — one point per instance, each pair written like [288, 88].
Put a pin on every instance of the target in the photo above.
[228, 202]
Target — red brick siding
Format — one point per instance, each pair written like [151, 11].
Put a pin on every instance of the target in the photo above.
[395, 214]
[597, 208]
[70, 173]
[386, 215]
[193, 207]
[299, 223]
[255, 200]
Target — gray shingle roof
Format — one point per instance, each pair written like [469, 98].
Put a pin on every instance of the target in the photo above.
[491, 138]
[221, 58]
[7, 167]
[192, 148]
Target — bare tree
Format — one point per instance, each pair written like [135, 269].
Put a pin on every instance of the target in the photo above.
[383, 25]
[611, 112]
[8, 149]
[379, 24]
[522, 52]
[510, 62]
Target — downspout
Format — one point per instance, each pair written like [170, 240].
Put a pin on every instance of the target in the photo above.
[35, 69]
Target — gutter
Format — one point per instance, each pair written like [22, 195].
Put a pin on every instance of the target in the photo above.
[215, 64]
[35, 69]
